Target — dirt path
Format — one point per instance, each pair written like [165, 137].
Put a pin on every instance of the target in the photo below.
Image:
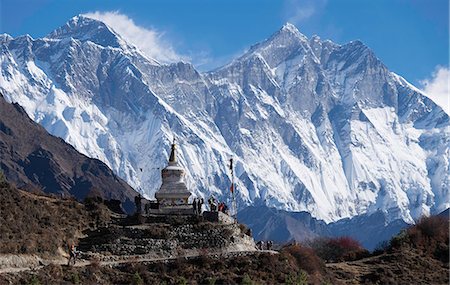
[134, 259]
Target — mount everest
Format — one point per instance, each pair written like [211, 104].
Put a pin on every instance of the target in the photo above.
[313, 126]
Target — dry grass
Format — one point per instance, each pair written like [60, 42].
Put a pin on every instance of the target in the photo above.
[261, 268]
[34, 224]
[418, 255]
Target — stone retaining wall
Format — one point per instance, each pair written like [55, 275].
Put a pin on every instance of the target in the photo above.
[167, 239]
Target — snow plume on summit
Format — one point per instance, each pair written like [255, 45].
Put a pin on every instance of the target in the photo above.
[312, 125]
[438, 87]
[150, 41]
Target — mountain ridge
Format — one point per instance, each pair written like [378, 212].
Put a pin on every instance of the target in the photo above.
[313, 126]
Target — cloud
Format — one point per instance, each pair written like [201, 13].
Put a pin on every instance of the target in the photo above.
[298, 11]
[437, 87]
[150, 41]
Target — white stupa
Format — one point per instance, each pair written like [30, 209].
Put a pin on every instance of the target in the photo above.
[173, 191]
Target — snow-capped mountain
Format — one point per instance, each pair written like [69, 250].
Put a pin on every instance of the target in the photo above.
[312, 125]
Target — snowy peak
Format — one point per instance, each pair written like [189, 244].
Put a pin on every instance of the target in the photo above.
[87, 29]
[314, 126]
[289, 28]
[5, 38]
[281, 46]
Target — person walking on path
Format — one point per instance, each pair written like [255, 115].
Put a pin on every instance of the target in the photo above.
[72, 254]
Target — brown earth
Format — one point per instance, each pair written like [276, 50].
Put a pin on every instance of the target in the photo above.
[252, 268]
[404, 267]
[42, 225]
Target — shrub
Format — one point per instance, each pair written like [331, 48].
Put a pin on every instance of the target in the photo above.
[430, 235]
[428, 230]
[246, 280]
[399, 240]
[34, 281]
[75, 278]
[182, 281]
[300, 278]
[305, 258]
[211, 280]
[137, 280]
[339, 249]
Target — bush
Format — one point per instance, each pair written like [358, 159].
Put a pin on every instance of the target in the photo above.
[297, 279]
[429, 229]
[34, 281]
[182, 281]
[246, 280]
[211, 280]
[137, 280]
[339, 249]
[75, 278]
[399, 241]
[305, 258]
[430, 235]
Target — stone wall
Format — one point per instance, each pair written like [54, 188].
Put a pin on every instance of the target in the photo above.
[160, 237]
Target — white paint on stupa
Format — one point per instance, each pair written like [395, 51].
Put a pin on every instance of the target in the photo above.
[173, 191]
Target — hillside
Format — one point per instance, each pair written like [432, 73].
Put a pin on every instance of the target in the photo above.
[35, 230]
[418, 255]
[34, 160]
[33, 224]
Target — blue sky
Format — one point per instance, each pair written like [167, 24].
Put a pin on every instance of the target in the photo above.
[410, 36]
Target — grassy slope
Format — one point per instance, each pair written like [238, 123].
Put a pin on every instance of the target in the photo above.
[418, 255]
[35, 224]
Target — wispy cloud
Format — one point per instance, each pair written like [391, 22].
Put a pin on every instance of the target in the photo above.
[437, 87]
[149, 40]
[298, 11]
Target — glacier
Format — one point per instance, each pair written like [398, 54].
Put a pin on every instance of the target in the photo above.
[312, 125]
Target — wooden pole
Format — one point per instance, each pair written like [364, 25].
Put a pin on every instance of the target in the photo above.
[233, 195]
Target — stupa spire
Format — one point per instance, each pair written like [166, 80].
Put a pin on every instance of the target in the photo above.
[173, 191]
[173, 153]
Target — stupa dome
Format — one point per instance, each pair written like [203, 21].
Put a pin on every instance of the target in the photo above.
[173, 190]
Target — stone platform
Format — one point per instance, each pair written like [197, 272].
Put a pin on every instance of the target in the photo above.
[174, 210]
[217, 217]
[165, 236]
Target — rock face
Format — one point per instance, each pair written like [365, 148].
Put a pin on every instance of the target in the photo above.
[312, 125]
[32, 159]
[173, 190]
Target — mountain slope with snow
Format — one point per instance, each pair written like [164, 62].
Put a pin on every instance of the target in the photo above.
[312, 125]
